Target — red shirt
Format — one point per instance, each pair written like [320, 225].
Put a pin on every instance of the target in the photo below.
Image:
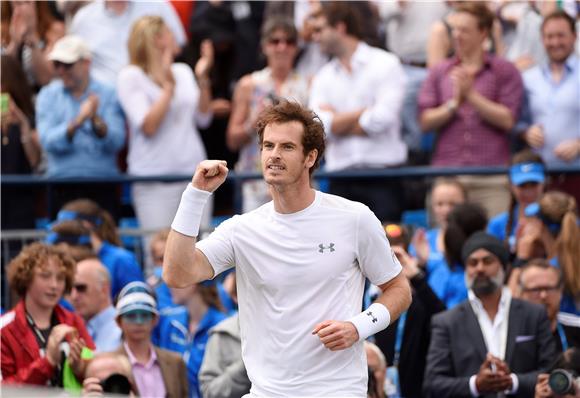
[21, 361]
[467, 140]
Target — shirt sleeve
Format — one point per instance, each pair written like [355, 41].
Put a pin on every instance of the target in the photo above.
[317, 98]
[385, 113]
[376, 258]
[511, 89]
[429, 96]
[51, 129]
[218, 247]
[112, 115]
[133, 99]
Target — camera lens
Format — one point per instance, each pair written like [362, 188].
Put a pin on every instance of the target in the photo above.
[560, 382]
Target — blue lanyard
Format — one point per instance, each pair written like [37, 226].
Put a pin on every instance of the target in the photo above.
[399, 338]
[563, 338]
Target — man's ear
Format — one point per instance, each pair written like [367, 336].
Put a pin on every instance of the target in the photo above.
[311, 158]
[341, 27]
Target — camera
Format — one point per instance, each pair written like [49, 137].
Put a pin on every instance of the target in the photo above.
[563, 381]
[116, 384]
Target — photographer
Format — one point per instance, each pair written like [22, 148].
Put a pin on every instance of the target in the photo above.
[563, 381]
[109, 373]
[33, 332]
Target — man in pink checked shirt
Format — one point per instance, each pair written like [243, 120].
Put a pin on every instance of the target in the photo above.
[473, 100]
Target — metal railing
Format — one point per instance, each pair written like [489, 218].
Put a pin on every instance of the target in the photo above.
[27, 236]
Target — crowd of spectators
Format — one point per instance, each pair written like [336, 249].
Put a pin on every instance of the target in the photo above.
[94, 89]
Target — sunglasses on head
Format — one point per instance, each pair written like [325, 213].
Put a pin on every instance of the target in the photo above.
[277, 40]
[58, 64]
[80, 287]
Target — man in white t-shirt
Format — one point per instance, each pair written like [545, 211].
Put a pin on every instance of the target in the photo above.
[301, 262]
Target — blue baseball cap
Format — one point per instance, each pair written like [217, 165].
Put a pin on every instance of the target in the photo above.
[527, 172]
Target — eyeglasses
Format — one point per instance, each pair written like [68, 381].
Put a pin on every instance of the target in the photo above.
[80, 287]
[277, 40]
[537, 291]
[65, 66]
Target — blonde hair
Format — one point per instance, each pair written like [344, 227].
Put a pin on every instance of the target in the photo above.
[561, 208]
[141, 41]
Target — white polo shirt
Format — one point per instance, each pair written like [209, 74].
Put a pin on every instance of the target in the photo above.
[294, 271]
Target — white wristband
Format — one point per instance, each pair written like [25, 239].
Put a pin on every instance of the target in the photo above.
[188, 216]
[371, 321]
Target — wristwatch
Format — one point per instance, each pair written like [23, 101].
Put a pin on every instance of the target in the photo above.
[452, 105]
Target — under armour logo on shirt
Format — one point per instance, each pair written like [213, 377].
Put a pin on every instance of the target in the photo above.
[322, 248]
[370, 313]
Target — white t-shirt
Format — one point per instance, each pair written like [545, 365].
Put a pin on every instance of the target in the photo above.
[294, 271]
[176, 147]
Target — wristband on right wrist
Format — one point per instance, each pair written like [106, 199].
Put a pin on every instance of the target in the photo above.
[188, 216]
[371, 321]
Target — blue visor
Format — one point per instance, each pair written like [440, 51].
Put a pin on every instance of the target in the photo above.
[527, 172]
[68, 215]
[54, 238]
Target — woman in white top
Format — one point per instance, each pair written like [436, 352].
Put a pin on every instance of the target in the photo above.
[164, 103]
[259, 89]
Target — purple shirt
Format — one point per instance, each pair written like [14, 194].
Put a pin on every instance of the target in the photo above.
[467, 140]
[147, 376]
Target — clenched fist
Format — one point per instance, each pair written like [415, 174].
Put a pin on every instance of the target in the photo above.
[210, 174]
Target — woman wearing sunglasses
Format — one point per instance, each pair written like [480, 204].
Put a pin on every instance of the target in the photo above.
[33, 333]
[157, 372]
[256, 91]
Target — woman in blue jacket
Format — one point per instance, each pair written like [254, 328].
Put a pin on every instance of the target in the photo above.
[185, 329]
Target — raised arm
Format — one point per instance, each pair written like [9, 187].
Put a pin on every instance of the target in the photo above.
[183, 264]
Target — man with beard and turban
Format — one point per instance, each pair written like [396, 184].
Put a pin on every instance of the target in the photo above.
[491, 344]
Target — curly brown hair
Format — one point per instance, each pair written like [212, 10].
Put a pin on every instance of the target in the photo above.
[21, 269]
[289, 111]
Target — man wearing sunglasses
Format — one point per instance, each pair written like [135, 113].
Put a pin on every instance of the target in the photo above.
[542, 284]
[91, 298]
[79, 120]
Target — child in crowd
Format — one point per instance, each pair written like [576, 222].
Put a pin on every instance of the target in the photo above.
[428, 246]
[83, 222]
[447, 278]
[157, 372]
[33, 331]
[185, 329]
[550, 230]
[527, 182]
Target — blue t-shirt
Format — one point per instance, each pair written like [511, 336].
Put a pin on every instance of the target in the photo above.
[449, 284]
[567, 304]
[497, 226]
[122, 266]
[435, 255]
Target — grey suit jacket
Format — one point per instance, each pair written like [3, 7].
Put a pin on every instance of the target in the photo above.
[457, 349]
